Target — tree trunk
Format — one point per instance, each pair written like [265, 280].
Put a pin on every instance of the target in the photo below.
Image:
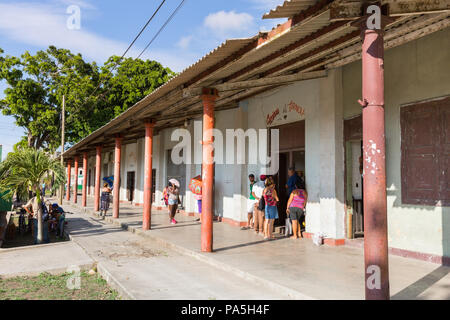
[40, 232]
[30, 140]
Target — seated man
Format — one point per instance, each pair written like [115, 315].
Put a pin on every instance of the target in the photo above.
[60, 217]
[32, 208]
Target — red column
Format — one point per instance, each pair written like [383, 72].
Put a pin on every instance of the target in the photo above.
[69, 176]
[375, 204]
[209, 98]
[98, 169]
[85, 169]
[116, 192]
[147, 218]
[75, 189]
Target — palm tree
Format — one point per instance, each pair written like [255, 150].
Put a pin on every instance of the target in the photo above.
[26, 169]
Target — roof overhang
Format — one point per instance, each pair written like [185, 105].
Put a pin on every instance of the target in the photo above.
[305, 47]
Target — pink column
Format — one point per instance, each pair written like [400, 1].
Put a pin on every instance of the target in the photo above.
[116, 193]
[209, 97]
[75, 189]
[147, 215]
[375, 203]
[98, 170]
[85, 169]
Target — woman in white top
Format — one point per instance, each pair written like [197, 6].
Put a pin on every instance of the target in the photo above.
[174, 200]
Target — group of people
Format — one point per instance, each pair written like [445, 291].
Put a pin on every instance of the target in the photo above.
[53, 218]
[263, 204]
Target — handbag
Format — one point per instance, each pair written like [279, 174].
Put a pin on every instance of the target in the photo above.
[262, 204]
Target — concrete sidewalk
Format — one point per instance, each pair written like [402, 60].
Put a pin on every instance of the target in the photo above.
[286, 267]
[34, 260]
[140, 268]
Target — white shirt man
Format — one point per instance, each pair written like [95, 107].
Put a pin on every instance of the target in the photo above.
[258, 215]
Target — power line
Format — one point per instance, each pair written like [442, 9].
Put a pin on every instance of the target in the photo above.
[163, 27]
[156, 35]
[137, 37]
[129, 47]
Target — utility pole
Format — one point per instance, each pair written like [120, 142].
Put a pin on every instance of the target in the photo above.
[63, 120]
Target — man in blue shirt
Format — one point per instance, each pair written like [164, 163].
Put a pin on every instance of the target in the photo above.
[294, 181]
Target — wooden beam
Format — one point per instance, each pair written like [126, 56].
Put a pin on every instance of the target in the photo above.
[187, 100]
[353, 9]
[263, 82]
[280, 55]
[394, 39]
[414, 7]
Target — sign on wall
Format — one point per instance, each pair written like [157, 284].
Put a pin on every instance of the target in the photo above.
[283, 114]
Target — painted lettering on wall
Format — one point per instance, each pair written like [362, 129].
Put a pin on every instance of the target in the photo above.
[295, 107]
[289, 112]
[271, 117]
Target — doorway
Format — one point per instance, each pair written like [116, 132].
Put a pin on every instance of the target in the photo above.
[354, 177]
[131, 178]
[288, 159]
[292, 155]
[89, 182]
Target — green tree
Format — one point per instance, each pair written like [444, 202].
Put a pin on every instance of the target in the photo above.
[124, 83]
[27, 169]
[36, 84]
[94, 96]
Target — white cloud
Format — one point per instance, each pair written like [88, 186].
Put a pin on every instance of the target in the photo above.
[185, 42]
[44, 25]
[231, 21]
[266, 4]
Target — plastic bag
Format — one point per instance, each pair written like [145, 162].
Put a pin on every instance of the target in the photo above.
[318, 238]
[288, 229]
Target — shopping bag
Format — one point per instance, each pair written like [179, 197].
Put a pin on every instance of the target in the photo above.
[288, 229]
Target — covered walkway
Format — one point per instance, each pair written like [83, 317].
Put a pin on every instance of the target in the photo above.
[285, 266]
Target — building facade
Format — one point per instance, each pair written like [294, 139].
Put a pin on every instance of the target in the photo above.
[293, 93]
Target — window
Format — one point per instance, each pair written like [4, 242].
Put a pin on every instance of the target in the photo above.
[426, 153]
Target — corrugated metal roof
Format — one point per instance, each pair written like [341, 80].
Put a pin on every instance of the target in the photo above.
[289, 9]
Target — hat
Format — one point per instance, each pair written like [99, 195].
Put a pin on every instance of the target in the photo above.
[263, 177]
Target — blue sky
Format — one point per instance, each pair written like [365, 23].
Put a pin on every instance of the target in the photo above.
[108, 27]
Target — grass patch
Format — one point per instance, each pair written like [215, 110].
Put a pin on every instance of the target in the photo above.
[54, 287]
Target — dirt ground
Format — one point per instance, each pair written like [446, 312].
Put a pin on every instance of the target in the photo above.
[26, 239]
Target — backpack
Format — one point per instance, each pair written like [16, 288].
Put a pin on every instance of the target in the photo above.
[262, 204]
